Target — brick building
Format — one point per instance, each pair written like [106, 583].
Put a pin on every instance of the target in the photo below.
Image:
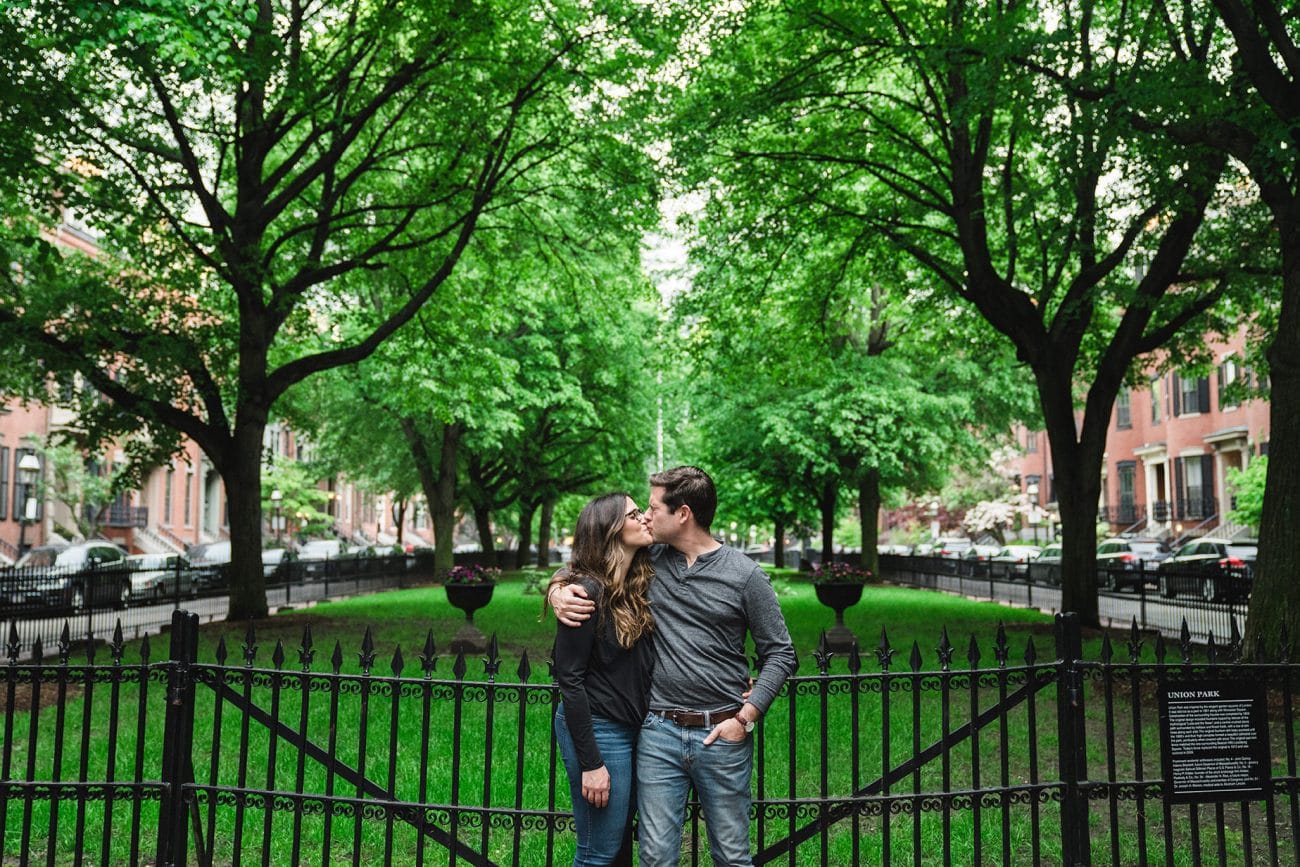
[1168, 452]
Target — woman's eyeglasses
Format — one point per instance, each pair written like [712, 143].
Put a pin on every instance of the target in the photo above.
[635, 515]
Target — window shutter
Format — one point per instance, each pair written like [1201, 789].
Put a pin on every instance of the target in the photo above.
[1207, 485]
[4, 481]
[1178, 395]
[1219, 374]
[1178, 485]
[1203, 394]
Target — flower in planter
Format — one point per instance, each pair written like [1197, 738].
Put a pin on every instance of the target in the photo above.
[472, 573]
[840, 573]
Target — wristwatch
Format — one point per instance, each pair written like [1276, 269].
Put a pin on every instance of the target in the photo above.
[748, 724]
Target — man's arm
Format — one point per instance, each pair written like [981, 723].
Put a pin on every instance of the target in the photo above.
[568, 601]
[776, 658]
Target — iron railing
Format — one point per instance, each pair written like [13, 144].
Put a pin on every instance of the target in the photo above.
[37, 601]
[1161, 599]
[990, 754]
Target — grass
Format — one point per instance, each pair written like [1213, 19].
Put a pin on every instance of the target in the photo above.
[809, 747]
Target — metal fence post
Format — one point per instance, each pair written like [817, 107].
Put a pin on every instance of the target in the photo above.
[1075, 844]
[178, 739]
[1142, 590]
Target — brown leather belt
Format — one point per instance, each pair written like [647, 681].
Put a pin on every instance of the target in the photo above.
[696, 718]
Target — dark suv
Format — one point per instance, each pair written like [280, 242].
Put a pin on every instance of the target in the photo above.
[1125, 563]
[1214, 569]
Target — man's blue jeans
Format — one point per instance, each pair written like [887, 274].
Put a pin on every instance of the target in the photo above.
[670, 758]
[603, 832]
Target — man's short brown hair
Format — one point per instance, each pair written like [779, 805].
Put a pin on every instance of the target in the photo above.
[692, 486]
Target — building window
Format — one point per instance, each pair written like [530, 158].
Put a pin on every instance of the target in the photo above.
[1031, 440]
[4, 481]
[189, 495]
[1155, 401]
[1127, 475]
[1229, 374]
[169, 480]
[1191, 395]
[1193, 478]
[1124, 409]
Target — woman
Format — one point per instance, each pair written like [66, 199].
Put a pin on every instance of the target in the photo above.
[603, 670]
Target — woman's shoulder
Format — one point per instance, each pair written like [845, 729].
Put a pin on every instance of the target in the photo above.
[588, 583]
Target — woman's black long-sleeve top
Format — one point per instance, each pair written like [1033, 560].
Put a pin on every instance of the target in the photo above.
[597, 676]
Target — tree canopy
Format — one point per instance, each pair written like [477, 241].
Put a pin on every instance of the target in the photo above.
[963, 135]
[252, 171]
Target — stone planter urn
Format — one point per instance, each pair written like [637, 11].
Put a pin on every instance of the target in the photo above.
[839, 596]
[469, 598]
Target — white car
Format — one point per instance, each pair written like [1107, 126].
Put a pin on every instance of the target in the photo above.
[1013, 560]
[952, 547]
[314, 556]
[157, 576]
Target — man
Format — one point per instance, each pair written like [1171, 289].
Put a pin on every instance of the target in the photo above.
[704, 596]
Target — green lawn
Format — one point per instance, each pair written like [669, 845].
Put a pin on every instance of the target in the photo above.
[381, 724]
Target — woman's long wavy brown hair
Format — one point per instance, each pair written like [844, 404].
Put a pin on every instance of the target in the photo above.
[597, 555]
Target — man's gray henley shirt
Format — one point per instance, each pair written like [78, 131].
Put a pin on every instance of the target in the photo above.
[701, 615]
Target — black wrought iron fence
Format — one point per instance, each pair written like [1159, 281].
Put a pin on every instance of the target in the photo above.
[988, 754]
[142, 595]
[1163, 598]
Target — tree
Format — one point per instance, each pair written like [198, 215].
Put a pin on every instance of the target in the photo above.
[1248, 490]
[956, 132]
[1234, 85]
[818, 366]
[525, 388]
[302, 504]
[85, 486]
[256, 170]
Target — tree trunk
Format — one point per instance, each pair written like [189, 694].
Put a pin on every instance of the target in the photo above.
[1076, 463]
[827, 501]
[483, 521]
[241, 470]
[526, 509]
[544, 534]
[400, 518]
[778, 552]
[1275, 597]
[868, 510]
[439, 487]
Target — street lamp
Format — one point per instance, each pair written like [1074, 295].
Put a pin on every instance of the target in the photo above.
[28, 469]
[1032, 491]
[277, 501]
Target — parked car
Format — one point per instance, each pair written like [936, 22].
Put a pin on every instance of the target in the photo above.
[1125, 563]
[314, 556]
[211, 564]
[277, 563]
[1214, 569]
[977, 557]
[952, 547]
[157, 576]
[1012, 561]
[41, 556]
[76, 578]
[1046, 567]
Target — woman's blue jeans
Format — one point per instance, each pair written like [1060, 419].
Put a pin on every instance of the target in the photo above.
[604, 833]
